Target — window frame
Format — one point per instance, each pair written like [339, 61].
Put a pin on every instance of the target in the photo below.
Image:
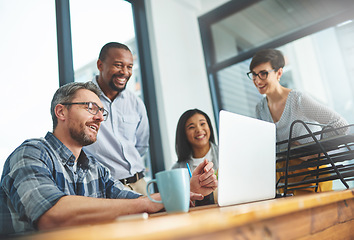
[207, 20]
[66, 72]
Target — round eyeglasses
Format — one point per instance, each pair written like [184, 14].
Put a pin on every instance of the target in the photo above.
[262, 74]
[92, 108]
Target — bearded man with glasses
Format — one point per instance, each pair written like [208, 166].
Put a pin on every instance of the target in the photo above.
[50, 182]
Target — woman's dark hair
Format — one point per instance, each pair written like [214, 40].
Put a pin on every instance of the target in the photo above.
[183, 147]
[275, 57]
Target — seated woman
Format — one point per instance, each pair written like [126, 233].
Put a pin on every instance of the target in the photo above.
[195, 143]
[282, 105]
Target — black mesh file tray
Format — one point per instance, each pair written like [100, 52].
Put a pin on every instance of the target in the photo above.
[329, 156]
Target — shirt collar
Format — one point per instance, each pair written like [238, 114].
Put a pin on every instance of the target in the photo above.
[66, 156]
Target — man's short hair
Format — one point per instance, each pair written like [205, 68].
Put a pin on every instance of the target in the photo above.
[67, 92]
[106, 47]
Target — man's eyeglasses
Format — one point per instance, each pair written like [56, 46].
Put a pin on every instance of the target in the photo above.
[262, 74]
[92, 108]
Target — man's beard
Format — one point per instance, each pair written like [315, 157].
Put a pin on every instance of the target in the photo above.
[80, 136]
[114, 87]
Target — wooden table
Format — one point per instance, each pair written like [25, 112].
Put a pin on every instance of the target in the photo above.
[322, 216]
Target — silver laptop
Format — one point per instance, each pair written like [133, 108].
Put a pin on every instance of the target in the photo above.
[246, 159]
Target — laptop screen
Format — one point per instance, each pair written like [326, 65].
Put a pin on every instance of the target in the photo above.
[246, 159]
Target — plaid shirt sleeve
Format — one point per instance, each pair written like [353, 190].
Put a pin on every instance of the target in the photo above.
[39, 172]
[29, 184]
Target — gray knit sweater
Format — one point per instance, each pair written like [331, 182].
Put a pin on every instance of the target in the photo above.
[299, 106]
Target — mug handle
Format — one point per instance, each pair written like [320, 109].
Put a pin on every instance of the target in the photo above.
[148, 193]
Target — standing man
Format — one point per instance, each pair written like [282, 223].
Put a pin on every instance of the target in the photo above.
[124, 137]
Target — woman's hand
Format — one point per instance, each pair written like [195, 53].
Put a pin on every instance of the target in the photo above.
[203, 179]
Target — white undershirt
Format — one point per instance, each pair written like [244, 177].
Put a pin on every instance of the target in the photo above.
[197, 161]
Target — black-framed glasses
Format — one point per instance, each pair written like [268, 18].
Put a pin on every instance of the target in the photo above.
[262, 74]
[92, 108]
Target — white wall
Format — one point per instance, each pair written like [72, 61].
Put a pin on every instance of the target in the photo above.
[178, 63]
[29, 71]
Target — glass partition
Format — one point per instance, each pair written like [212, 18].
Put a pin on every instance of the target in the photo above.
[265, 21]
[311, 66]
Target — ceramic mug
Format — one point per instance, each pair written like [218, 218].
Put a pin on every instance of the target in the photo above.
[174, 188]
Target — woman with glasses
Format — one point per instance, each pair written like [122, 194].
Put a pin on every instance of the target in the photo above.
[195, 143]
[282, 105]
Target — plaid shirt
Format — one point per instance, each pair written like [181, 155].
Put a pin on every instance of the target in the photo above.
[39, 172]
